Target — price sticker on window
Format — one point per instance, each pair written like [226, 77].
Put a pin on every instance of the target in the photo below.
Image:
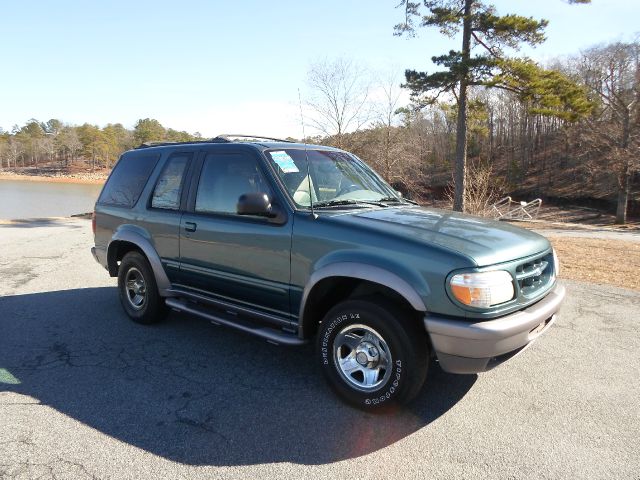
[284, 161]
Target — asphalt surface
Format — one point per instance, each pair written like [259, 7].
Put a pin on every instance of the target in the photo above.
[85, 393]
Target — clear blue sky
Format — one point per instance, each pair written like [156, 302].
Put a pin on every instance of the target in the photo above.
[222, 66]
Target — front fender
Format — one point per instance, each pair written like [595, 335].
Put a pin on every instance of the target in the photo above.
[141, 239]
[409, 286]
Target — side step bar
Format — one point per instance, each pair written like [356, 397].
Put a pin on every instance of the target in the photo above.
[269, 334]
[231, 308]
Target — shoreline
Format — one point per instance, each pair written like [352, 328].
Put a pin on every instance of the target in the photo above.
[52, 179]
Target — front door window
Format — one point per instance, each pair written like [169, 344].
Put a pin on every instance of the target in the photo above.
[224, 179]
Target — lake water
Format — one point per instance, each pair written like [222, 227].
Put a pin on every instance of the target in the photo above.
[25, 199]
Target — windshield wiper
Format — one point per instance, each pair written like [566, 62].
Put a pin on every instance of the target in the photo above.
[397, 200]
[334, 203]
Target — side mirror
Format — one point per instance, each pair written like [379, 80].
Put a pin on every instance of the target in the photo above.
[255, 203]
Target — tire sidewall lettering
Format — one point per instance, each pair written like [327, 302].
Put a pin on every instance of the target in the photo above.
[390, 389]
[324, 349]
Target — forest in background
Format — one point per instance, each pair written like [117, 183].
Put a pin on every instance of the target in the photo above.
[54, 144]
[512, 148]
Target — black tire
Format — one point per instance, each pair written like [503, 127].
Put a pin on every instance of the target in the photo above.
[151, 308]
[365, 322]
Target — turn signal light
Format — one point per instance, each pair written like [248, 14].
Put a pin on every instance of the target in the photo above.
[483, 289]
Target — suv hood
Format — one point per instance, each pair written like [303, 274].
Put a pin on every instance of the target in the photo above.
[486, 242]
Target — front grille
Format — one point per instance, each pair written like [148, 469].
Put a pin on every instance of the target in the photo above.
[534, 276]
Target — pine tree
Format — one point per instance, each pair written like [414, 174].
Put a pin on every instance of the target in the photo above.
[547, 92]
[148, 130]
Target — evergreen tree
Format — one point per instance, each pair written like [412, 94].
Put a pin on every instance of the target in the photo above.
[547, 92]
[148, 130]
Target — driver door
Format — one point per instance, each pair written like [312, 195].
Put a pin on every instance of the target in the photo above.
[238, 258]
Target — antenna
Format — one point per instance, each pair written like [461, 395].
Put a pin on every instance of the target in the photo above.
[306, 155]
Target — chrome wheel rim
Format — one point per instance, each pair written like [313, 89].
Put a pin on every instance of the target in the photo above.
[136, 288]
[362, 357]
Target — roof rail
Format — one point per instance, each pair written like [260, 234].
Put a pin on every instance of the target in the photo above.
[224, 138]
[154, 144]
[163, 143]
[227, 137]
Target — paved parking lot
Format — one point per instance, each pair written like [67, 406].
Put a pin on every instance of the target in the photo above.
[84, 392]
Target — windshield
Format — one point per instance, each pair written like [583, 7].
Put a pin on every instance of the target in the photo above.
[337, 178]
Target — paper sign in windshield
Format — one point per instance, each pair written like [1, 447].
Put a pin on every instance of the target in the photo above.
[285, 162]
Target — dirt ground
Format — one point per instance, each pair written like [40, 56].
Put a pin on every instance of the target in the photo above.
[566, 216]
[603, 261]
[57, 174]
[605, 254]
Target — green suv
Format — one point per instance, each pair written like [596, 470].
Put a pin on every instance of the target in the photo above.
[291, 242]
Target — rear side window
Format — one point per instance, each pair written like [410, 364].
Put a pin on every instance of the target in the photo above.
[127, 180]
[169, 187]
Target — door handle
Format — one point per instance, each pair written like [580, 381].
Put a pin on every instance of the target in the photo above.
[190, 226]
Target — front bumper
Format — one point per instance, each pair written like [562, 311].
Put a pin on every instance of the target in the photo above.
[465, 347]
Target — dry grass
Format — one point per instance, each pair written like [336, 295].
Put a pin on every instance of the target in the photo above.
[580, 225]
[613, 262]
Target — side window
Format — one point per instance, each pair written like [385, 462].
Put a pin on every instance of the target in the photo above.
[169, 187]
[125, 184]
[224, 179]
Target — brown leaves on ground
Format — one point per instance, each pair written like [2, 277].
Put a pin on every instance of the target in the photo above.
[614, 262]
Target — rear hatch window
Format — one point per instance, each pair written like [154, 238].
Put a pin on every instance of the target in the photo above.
[127, 180]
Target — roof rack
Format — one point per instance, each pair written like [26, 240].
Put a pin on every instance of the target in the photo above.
[163, 143]
[155, 144]
[227, 137]
[224, 138]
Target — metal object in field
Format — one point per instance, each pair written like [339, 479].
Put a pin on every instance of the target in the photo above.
[509, 209]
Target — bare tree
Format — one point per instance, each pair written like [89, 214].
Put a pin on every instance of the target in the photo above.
[339, 97]
[15, 149]
[483, 189]
[386, 113]
[47, 145]
[4, 145]
[613, 73]
[70, 142]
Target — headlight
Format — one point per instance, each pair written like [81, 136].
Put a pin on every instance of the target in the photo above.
[556, 264]
[484, 289]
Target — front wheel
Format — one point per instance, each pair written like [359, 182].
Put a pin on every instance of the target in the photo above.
[372, 354]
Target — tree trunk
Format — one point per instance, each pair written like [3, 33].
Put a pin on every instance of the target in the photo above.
[387, 152]
[625, 174]
[461, 132]
[491, 133]
[623, 197]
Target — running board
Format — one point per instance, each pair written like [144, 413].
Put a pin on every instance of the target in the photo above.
[269, 334]
[231, 308]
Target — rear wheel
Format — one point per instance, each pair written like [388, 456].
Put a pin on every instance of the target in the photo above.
[372, 354]
[138, 290]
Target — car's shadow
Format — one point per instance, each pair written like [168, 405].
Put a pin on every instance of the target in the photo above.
[40, 222]
[191, 392]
